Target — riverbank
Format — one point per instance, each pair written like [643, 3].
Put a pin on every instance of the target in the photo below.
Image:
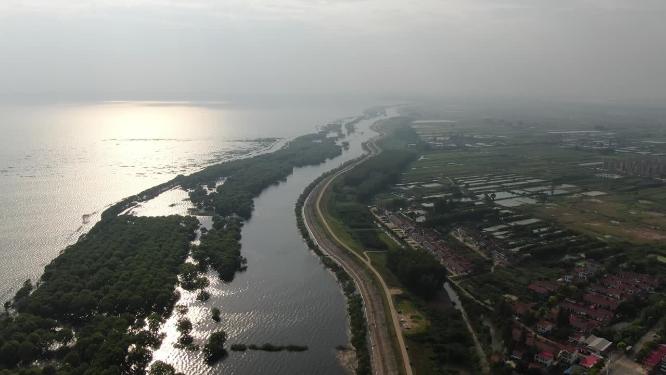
[379, 310]
[286, 296]
[85, 308]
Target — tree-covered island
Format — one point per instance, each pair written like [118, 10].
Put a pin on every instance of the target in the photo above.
[98, 306]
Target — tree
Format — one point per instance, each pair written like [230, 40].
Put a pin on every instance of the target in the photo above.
[162, 368]
[214, 349]
[24, 291]
[184, 326]
[216, 314]
[26, 352]
[154, 321]
[203, 296]
[9, 353]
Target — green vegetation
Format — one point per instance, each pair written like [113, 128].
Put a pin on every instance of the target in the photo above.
[214, 349]
[190, 279]
[350, 195]
[270, 347]
[145, 254]
[348, 203]
[203, 296]
[516, 205]
[246, 178]
[233, 200]
[220, 248]
[87, 314]
[419, 271]
[162, 368]
[185, 340]
[358, 326]
[448, 339]
[215, 314]
[99, 290]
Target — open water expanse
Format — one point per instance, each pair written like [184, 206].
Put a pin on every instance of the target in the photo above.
[286, 296]
[61, 165]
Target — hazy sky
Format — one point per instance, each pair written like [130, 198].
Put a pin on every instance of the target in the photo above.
[594, 49]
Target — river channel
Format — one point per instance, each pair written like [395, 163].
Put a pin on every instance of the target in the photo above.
[286, 296]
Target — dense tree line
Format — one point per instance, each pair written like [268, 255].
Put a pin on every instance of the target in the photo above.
[246, 178]
[127, 265]
[418, 270]
[350, 194]
[400, 135]
[376, 174]
[355, 309]
[220, 248]
[214, 349]
[449, 340]
[86, 315]
[359, 222]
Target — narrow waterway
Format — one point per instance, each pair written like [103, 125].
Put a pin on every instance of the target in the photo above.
[286, 296]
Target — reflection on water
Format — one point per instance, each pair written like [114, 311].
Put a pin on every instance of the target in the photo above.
[175, 201]
[61, 165]
[57, 174]
[285, 297]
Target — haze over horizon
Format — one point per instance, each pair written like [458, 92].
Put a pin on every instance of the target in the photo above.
[610, 50]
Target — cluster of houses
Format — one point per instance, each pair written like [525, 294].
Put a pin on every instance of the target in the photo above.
[509, 235]
[431, 133]
[565, 335]
[539, 352]
[597, 307]
[597, 140]
[655, 362]
[594, 309]
[512, 235]
[407, 230]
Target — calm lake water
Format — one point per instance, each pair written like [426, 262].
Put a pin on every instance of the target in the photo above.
[61, 165]
[285, 297]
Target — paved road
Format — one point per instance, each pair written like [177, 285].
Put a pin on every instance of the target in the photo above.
[371, 286]
[623, 366]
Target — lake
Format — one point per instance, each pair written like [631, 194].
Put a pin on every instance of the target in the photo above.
[286, 296]
[62, 164]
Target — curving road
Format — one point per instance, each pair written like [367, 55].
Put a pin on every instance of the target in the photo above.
[374, 291]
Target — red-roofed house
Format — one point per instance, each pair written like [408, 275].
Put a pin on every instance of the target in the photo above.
[583, 324]
[520, 308]
[545, 346]
[545, 358]
[600, 315]
[653, 359]
[543, 287]
[599, 300]
[590, 361]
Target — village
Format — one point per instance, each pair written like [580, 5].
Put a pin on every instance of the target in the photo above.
[579, 303]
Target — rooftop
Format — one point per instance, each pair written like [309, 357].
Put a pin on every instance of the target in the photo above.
[599, 344]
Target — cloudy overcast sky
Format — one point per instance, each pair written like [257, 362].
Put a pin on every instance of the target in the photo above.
[574, 50]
